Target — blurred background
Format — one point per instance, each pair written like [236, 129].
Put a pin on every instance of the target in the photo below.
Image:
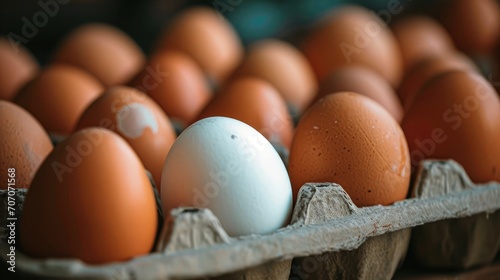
[143, 20]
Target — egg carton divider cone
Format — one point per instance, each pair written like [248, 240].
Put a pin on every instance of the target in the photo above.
[326, 227]
[453, 243]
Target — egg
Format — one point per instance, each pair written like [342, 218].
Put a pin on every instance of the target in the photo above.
[457, 116]
[354, 35]
[364, 81]
[284, 67]
[104, 51]
[421, 73]
[17, 68]
[208, 38]
[228, 167]
[90, 200]
[473, 25]
[256, 103]
[176, 83]
[58, 96]
[351, 140]
[420, 37]
[138, 119]
[24, 144]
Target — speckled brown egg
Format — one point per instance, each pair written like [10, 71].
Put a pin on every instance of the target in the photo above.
[17, 67]
[208, 38]
[256, 103]
[354, 35]
[176, 83]
[284, 67]
[58, 96]
[138, 119]
[420, 37]
[24, 144]
[473, 25]
[351, 140]
[104, 51]
[364, 81]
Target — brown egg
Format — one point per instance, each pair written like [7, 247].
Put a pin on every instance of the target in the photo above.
[17, 68]
[457, 116]
[256, 103]
[420, 37]
[365, 81]
[473, 25]
[205, 36]
[138, 119]
[176, 83]
[354, 35]
[351, 140]
[104, 51]
[416, 78]
[284, 67]
[91, 200]
[58, 96]
[24, 144]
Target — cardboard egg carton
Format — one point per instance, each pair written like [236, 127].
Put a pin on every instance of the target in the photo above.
[450, 223]
[480, 273]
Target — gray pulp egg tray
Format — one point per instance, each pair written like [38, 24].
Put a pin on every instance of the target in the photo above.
[451, 223]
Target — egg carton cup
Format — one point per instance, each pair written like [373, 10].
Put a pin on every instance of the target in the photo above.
[328, 237]
[454, 243]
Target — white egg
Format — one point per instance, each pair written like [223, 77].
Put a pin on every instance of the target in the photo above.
[228, 167]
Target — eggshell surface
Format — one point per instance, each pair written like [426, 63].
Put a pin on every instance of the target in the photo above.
[364, 81]
[176, 83]
[428, 68]
[420, 37]
[58, 96]
[91, 200]
[457, 116]
[354, 35]
[228, 167]
[138, 119]
[104, 51]
[256, 103]
[349, 139]
[473, 25]
[284, 67]
[208, 38]
[24, 144]
[17, 68]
